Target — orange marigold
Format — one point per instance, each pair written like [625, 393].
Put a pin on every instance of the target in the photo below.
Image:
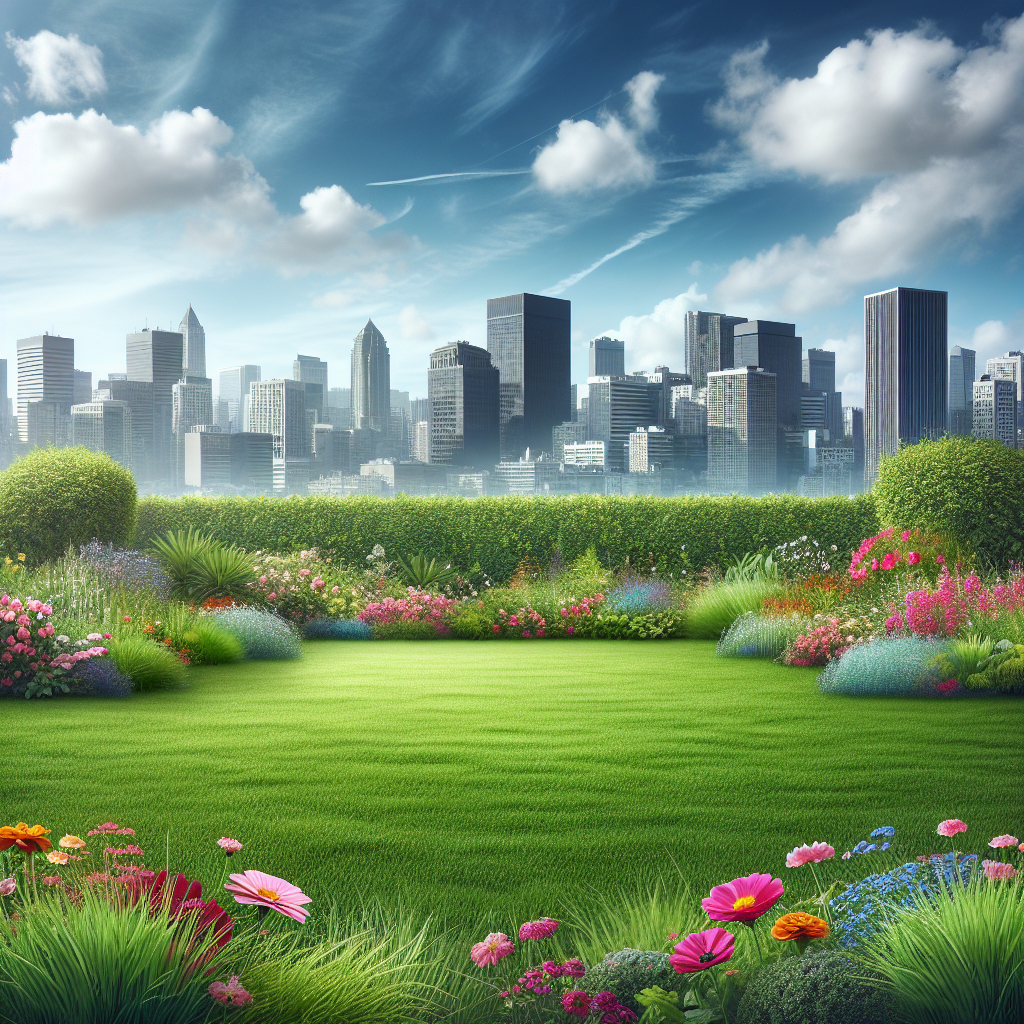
[30, 839]
[800, 926]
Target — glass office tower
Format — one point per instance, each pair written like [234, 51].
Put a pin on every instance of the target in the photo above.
[463, 391]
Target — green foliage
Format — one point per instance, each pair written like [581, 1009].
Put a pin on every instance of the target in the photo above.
[149, 665]
[1002, 670]
[970, 487]
[715, 608]
[56, 498]
[498, 533]
[956, 960]
[468, 624]
[210, 644]
[95, 964]
[755, 566]
[667, 624]
[263, 635]
[630, 971]
[961, 657]
[201, 567]
[760, 636]
[418, 572]
[406, 630]
[817, 987]
[903, 666]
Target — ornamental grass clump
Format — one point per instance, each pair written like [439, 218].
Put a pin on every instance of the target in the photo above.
[760, 636]
[713, 609]
[336, 629]
[209, 643]
[149, 665]
[638, 596]
[263, 635]
[888, 667]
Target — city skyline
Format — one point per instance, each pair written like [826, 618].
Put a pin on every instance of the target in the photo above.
[259, 200]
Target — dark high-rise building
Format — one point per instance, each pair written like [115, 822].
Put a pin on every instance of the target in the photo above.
[961, 389]
[83, 386]
[776, 349]
[156, 356]
[528, 337]
[819, 369]
[310, 369]
[371, 380]
[607, 357]
[46, 373]
[905, 371]
[708, 344]
[462, 388]
[742, 431]
[617, 406]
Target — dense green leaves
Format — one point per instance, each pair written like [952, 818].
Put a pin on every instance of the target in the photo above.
[972, 488]
[56, 497]
[496, 534]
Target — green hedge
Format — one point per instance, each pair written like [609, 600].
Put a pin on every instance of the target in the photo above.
[496, 534]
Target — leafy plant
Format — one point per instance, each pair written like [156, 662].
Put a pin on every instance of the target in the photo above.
[211, 644]
[954, 960]
[1001, 670]
[418, 572]
[712, 610]
[201, 567]
[263, 635]
[181, 551]
[149, 665]
[754, 566]
[961, 656]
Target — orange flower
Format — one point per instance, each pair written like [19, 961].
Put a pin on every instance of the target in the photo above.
[72, 843]
[28, 839]
[57, 857]
[800, 926]
[168, 641]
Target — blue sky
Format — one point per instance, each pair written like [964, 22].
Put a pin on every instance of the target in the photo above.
[639, 160]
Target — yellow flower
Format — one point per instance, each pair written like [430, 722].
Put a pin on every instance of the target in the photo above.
[21, 556]
[7, 560]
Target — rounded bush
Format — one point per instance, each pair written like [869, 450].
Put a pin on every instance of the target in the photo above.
[336, 629]
[98, 677]
[970, 487]
[468, 624]
[760, 636]
[264, 635]
[54, 498]
[903, 666]
[149, 665]
[632, 970]
[825, 986]
[210, 644]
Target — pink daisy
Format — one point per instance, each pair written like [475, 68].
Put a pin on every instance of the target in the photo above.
[1000, 841]
[269, 893]
[743, 899]
[228, 845]
[541, 929]
[495, 947]
[816, 853]
[951, 827]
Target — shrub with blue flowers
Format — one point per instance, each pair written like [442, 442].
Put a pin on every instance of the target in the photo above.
[637, 596]
[130, 569]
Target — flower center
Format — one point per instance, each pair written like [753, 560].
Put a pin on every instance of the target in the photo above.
[706, 958]
[743, 902]
[268, 894]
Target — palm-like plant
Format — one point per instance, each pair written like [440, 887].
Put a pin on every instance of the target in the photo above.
[418, 572]
[201, 567]
[180, 552]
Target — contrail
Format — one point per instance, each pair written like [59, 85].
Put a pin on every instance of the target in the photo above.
[453, 174]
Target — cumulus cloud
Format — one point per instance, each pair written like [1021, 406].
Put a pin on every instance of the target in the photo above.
[86, 170]
[414, 326]
[587, 156]
[941, 124]
[59, 68]
[993, 338]
[657, 338]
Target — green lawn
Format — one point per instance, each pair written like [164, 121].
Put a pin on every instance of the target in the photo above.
[469, 776]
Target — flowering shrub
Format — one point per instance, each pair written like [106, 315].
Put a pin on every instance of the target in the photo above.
[418, 606]
[123, 567]
[526, 623]
[827, 641]
[304, 586]
[914, 553]
[637, 596]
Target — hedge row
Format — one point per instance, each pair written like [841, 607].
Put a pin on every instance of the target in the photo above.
[496, 534]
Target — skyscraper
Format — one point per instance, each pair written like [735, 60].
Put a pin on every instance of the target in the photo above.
[310, 370]
[83, 386]
[742, 431]
[156, 356]
[371, 380]
[905, 371]
[708, 344]
[819, 369]
[961, 389]
[617, 406]
[191, 406]
[777, 349]
[462, 387]
[104, 426]
[995, 409]
[528, 337]
[234, 389]
[607, 357]
[46, 373]
[1008, 367]
[193, 359]
[138, 396]
[278, 407]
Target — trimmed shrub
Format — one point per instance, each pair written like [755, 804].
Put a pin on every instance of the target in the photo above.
[630, 971]
[211, 644]
[664, 625]
[888, 667]
[149, 665]
[760, 636]
[497, 534]
[469, 624]
[56, 498]
[410, 629]
[824, 986]
[263, 635]
[336, 629]
[98, 677]
[971, 487]
[714, 609]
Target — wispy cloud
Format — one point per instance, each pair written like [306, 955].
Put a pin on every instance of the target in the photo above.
[461, 175]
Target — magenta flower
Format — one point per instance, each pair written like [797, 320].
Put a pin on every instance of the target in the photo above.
[269, 893]
[816, 853]
[701, 950]
[1001, 841]
[951, 827]
[230, 994]
[495, 947]
[913, 558]
[577, 1003]
[8, 885]
[542, 929]
[228, 845]
[997, 870]
[890, 560]
[743, 899]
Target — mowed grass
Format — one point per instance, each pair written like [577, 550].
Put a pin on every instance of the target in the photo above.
[465, 777]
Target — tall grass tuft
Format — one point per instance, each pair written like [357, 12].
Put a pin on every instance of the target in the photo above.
[147, 664]
[211, 644]
[95, 964]
[715, 608]
[760, 636]
[950, 961]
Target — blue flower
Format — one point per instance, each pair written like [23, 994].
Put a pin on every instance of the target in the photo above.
[885, 846]
[886, 830]
[861, 847]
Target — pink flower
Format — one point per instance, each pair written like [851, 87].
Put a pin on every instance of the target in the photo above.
[905, 536]
[8, 885]
[495, 947]
[743, 899]
[230, 994]
[271, 596]
[576, 1004]
[996, 870]
[570, 630]
[514, 620]
[701, 950]
[940, 559]
[229, 846]
[913, 558]
[951, 827]
[847, 855]
[949, 684]
[269, 892]
[1000, 841]
[816, 852]
[890, 560]
[874, 563]
[542, 929]
[495, 628]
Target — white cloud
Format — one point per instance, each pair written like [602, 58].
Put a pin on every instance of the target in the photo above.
[992, 338]
[414, 326]
[849, 365]
[587, 156]
[656, 339]
[940, 122]
[60, 68]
